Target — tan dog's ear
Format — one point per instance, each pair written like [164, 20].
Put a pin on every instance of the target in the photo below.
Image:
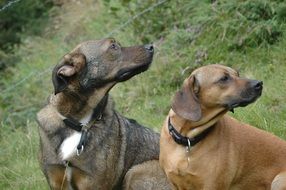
[185, 102]
[70, 65]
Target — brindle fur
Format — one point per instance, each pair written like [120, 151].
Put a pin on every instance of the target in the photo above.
[115, 144]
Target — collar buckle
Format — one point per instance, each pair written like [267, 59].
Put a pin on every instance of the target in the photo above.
[79, 151]
[83, 140]
[189, 146]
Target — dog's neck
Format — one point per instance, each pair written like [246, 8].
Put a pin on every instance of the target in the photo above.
[190, 128]
[77, 105]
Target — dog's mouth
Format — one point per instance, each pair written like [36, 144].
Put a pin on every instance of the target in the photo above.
[122, 75]
[242, 102]
[127, 73]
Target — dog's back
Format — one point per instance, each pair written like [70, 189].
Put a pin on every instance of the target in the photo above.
[142, 141]
[255, 150]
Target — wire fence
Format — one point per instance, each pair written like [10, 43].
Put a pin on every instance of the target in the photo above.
[38, 74]
[10, 3]
[136, 16]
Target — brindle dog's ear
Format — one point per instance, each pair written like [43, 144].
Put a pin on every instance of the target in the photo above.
[185, 102]
[69, 66]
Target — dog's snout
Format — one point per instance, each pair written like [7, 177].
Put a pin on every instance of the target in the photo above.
[149, 47]
[257, 85]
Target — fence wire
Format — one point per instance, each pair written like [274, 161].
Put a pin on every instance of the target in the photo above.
[10, 3]
[39, 75]
[135, 17]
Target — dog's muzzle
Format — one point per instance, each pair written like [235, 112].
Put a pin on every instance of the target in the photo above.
[247, 96]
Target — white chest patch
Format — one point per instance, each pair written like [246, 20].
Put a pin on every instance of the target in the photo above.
[68, 146]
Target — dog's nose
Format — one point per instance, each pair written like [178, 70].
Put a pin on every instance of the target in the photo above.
[257, 85]
[149, 47]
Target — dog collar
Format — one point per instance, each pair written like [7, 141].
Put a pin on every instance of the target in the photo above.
[186, 141]
[83, 128]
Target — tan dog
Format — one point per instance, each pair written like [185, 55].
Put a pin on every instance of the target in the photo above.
[220, 152]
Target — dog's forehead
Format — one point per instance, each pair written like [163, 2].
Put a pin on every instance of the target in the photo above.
[93, 48]
[208, 72]
[226, 69]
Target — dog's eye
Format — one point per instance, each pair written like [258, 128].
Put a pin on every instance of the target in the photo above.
[224, 78]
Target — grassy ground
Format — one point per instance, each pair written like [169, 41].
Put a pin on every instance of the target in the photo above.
[196, 33]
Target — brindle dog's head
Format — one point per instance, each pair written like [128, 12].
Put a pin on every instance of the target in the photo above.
[214, 88]
[97, 64]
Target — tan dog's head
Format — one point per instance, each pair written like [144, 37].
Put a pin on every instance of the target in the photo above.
[214, 88]
[95, 64]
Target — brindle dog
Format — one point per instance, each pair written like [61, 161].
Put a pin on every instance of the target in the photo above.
[84, 142]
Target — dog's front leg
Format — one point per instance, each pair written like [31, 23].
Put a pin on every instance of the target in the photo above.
[57, 176]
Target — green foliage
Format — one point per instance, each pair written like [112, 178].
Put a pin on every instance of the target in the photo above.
[157, 18]
[241, 24]
[23, 17]
[251, 23]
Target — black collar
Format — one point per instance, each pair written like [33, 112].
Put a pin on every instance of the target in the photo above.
[96, 116]
[76, 125]
[186, 141]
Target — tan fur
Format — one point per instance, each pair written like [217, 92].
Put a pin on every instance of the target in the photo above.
[234, 155]
[146, 176]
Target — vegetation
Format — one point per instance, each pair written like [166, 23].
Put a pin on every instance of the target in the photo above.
[23, 19]
[249, 36]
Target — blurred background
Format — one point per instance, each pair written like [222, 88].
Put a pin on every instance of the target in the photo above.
[247, 35]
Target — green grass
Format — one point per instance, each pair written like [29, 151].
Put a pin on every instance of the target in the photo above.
[18, 158]
[200, 34]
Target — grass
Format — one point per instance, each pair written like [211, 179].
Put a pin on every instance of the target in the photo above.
[18, 159]
[205, 33]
